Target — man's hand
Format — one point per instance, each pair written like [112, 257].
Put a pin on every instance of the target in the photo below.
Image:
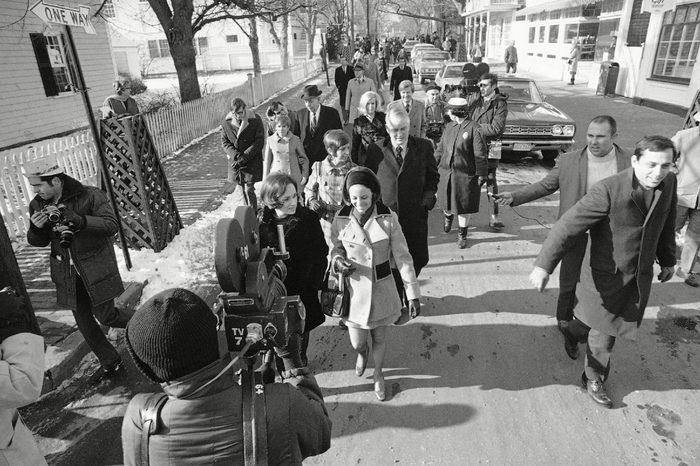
[666, 273]
[414, 308]
[315, 204]
[539, 278]
[504, 199]
[482, 180]
[428, 201]
[39, 219]
[290, 354]
[74, 220]
[344, 266]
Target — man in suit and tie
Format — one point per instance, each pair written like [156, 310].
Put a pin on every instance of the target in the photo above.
[408, 174]
[399, 74]
[314, 120]
[574, 175]
[343, 74]
[414, 108]
[630, 217]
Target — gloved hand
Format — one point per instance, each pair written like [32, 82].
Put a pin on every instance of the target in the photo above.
[75, 221]
[13, 319]
[429, 201]
[414, 308]
[290, 354]
[315, 204]
[482, 180]
[343, 266]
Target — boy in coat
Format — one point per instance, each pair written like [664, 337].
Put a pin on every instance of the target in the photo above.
[630, 217]
[414, 108]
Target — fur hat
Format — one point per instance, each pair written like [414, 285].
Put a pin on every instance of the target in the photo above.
[173, 334]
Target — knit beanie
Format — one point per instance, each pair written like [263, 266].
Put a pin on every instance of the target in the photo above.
[173, 334]
[365, 177]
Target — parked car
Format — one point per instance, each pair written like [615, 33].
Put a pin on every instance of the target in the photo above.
[428, 63]
[450, 74]
[420, 48]
[532, 123]
[408, 48]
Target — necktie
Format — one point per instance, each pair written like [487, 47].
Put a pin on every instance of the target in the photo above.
[313, 122]
[408, 108]
[399, 155]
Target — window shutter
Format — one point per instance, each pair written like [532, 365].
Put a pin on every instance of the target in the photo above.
[42, 59]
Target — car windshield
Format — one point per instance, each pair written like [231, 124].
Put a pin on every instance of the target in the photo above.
[453, 72]
[521, 91]
[435, 56]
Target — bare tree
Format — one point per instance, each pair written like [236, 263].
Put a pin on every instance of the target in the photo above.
[281, 38]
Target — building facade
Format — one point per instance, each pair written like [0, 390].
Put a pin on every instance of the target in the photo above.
[488, 24]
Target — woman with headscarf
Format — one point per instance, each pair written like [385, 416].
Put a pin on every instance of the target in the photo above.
[367, 128]
[367, 238]
[121, 103]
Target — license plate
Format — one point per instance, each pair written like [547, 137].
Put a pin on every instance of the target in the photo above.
[522, 147]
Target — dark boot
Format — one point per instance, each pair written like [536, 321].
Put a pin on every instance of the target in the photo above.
[462, 238]
[448, 222]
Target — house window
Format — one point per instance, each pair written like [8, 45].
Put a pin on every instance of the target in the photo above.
[611, 6]
[570, 32]
[555, 14]
[573, 12]
[531, 36]
[295, 36]
[201, 45]
[158, 48]
[639, 24]
[56, 65]
[520, 18]
[541, 35]
[108, 9]
[553, 34]
[678, 46]
[232, 38]
[303, 35]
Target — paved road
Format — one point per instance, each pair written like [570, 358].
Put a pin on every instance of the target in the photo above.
[481, 377]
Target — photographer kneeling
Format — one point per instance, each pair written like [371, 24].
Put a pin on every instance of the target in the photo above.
[173, 341]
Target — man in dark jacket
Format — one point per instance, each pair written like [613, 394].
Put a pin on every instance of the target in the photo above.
[573, 175]
[399, 74]
[490, 114]
[630, 217]
[510, 57]
[343, 74]
[243, 139]
[408, 174]
[314, 120]
[173, 341]
[83, 269]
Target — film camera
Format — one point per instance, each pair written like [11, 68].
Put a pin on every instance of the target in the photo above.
[56, 218]
[253, 306]
[469, 86]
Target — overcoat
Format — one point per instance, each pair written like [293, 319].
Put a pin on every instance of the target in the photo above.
[625, 240]
[244, 146]
[298, 162]
[343, 75]
[398, 75]
[308, 253]
[405, 188]
[366, 132]
[374, 249]
[355, 90]
[416, 113]
[491, 120]
[328, 119]
[461, 159]
[92, 249]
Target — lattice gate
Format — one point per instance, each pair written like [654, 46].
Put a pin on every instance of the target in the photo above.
[146, 205]
[694, 108]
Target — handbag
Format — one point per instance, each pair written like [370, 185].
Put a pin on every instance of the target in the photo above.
[335, 295]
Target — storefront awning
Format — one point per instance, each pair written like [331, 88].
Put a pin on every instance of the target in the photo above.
[553, 5]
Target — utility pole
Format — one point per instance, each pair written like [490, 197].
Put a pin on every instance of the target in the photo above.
[352, 24]
[368, 33]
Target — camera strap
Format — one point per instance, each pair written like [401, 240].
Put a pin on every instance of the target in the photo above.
[254, 418]
[151, 405]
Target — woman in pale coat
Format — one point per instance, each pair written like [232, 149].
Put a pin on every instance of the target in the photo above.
[574, 57]
[367, 240]
[21, 377]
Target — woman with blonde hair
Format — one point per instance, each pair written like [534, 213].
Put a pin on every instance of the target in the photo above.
[369, 127]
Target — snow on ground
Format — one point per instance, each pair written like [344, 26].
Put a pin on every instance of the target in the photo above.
[187, 261]
[213, 82]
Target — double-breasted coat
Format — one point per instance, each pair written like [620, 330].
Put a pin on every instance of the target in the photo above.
[407, 189]
[626, 238]
[244, 147]
[91, 253]
[374, 250]
[328, 118]
[461, 159]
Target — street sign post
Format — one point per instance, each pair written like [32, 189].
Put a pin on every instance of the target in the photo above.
[67, 16]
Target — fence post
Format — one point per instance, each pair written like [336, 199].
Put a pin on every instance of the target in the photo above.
[252, 89]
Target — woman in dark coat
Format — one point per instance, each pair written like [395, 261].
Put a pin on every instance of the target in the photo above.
[461, 157]
[305, 243]
[368, 128]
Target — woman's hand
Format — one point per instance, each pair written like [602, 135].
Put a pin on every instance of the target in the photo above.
[344, 266]
[414, 308]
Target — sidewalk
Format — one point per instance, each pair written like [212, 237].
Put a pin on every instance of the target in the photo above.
[196, 176]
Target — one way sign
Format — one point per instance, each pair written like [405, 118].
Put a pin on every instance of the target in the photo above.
[56, 14]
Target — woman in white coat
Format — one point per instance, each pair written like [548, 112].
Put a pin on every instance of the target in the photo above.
[367, 244]
[574, 56]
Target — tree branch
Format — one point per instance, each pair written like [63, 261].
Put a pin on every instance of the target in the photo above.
[415, 16]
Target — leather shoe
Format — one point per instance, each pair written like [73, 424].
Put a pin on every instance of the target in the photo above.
[570, 341]
[496, 225]
[380, 389]
[689, 278]
[448, 223]
[462, 238]
[361, 364]
[596, 390]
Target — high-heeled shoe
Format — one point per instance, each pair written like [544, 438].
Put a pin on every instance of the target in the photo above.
[361, 363]
[380, 389]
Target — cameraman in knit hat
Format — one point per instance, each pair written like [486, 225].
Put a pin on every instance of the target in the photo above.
[173, 341]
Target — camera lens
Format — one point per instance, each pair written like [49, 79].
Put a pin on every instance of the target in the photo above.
[66, 239]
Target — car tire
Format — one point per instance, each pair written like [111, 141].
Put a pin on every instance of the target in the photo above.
[550, 154]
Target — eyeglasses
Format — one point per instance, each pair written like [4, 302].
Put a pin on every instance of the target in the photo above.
[484, 85]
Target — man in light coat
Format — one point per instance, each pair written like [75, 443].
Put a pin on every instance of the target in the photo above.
[573, 176]
[414, 108]
[356, 87]
[630, 217]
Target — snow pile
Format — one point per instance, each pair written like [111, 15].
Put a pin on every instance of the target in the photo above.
[187, 261]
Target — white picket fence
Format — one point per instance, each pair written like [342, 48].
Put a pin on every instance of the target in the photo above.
[170, 130]
[75, 153]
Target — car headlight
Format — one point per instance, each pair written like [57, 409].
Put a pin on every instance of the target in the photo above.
[569, 130]
[556, 130]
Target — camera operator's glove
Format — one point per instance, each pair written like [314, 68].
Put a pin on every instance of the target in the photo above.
[13, 319]
[343, 266]
[291, 355]
[429, 200]
[73, 220]
[414, 308]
